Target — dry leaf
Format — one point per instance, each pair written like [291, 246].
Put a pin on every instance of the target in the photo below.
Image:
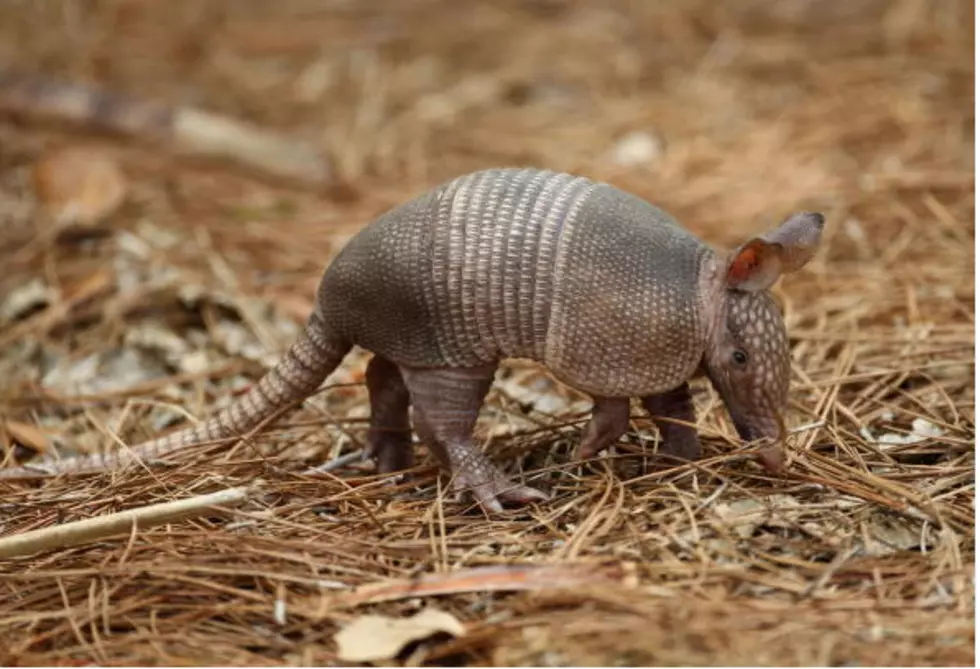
[27, 435]
[112, 370]
[745, 516]
[156, 337]
[888, 534]
[374, 637]
[921, 431]
[88, 286]
[26, 298]
[79, 185]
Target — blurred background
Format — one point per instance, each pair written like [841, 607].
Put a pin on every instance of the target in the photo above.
[136, 264]
[728, 115]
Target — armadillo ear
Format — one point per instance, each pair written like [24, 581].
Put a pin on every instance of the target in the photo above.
[754, 266]
[799, 237]
[757, 264]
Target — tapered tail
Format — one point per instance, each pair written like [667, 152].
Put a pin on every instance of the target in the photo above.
[300, 372]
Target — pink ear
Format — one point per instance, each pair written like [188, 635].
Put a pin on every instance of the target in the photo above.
[754, 266]
[757, 264]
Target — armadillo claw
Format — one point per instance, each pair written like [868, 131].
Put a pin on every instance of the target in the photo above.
[771, 458]
[490, 494]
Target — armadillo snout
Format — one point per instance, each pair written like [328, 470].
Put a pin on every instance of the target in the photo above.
[770, 454]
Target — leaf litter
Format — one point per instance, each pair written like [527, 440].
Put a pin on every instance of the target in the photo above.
[187, 289]
[374, 637]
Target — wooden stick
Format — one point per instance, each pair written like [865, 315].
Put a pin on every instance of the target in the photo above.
[100, 527]
[490, 578]
[191, 131]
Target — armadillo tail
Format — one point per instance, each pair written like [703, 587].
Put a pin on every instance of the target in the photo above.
[300, 372]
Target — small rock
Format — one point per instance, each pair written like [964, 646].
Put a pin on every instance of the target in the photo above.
[637, 148]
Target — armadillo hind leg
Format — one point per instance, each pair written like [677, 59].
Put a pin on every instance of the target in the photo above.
[610, 420]
[390, 432]
[677, 441]
[447, 403]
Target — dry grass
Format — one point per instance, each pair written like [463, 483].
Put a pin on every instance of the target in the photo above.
[862, 555]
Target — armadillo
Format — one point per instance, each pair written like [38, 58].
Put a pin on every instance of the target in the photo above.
[608, 292]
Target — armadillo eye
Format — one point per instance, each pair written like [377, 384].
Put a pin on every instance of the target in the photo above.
[739, 357]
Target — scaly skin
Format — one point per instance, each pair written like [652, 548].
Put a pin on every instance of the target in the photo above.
[447, 402]
[607, 291]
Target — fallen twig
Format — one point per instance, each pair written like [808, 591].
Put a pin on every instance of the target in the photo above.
[192, 131]
[337, 463]
[496, 578]
[100, 527]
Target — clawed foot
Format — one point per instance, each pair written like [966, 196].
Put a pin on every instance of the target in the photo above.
[491, 495]
[392, 453]
[772, 459]
[680, 444]
[610, 421]
[490, 487]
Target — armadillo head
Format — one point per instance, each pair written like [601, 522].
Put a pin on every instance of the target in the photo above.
[747, 353]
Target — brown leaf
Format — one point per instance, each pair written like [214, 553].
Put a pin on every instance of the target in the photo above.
[28, 435]
[374, 637]
[79, 185]
[75, 294]
[489, 578]
[89, 286]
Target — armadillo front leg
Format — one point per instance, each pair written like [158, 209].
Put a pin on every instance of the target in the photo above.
[447, 403]
[390, 434]
[678, 441]
[610, 421]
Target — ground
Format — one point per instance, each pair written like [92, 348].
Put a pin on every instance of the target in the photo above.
[728, 115]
